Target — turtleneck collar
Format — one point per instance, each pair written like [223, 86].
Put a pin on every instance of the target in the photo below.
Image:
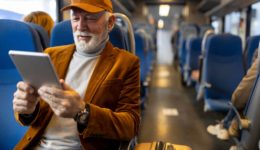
[97, 50]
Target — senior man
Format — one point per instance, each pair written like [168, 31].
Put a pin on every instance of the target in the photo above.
[98, 106]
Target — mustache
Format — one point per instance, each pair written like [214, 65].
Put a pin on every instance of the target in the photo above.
[79, 33]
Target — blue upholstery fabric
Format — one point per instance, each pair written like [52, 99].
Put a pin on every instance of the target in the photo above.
[42, 33]
[19, 36]
[251, 46]
[182, 54]
[193, 52]
[186, 31]
[62, 35]
[223, 70]
[192, 57]
[118, 37]
[140, 52]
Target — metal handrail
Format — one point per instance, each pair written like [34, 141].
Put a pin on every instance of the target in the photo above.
[130, 33]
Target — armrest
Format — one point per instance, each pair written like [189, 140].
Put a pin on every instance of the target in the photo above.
[206, 84]
[243, 123]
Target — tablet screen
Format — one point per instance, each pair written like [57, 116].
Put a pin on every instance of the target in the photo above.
[35, 68]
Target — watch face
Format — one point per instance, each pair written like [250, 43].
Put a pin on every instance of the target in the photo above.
[83, 118]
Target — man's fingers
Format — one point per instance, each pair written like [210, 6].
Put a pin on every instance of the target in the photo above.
[51, 90]
[25, 87]
[25, 96]
[65, 86]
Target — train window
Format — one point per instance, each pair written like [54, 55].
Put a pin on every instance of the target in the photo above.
[255, 19]
[235, 24]
[16, 9]
[217, 25]
[232, 23]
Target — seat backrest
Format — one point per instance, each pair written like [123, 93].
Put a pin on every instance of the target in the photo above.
[250, 137]
[187, 31]
[193, 52]
[15, 35]
[62, 35]
[19, 36]
[140, 52]
[223, 65]
[129, 33]
[251, 46]
[204, 42]
[45, 40]
[118, 37]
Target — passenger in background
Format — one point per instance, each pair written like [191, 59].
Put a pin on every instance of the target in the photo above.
[41, 18]
[174, 42]
[98, 106]
[228, 126]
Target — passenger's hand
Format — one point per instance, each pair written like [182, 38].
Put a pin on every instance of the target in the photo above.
[64, 102]
[25, 99]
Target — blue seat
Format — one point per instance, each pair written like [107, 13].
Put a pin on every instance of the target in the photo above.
[200, 85]
[186, 31]
[140, 52]
[223, 70]
[42, 33]
[251, 46]
[20, 36]
[62, 35]
[118, 38]
[192, 57]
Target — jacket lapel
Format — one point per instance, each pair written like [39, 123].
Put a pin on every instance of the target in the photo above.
[101, 70]
[63, 62]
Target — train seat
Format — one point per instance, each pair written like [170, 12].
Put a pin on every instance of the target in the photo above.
[192, 58]
[251, 46]
[45, 40]
[140, 52]
[223, 70]
[199, 85]
[187, 31]
[15, 35]
[61, 34]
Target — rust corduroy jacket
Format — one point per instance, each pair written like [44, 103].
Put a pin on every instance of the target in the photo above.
[113, 94]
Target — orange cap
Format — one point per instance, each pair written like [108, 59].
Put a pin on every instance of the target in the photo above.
[92, 6]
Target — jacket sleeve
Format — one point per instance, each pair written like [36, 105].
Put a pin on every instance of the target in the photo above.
[123, 122]
[26, 120]
[241, 94]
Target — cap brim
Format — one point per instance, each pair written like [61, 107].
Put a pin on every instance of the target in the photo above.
[86, 7]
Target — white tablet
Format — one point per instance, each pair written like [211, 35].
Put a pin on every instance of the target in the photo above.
[35, 68]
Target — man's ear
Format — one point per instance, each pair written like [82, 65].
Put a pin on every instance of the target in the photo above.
[111, 22]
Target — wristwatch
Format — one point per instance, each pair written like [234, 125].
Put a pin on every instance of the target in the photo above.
[82, 117]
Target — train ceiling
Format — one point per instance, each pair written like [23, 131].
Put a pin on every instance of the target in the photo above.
[208, 7]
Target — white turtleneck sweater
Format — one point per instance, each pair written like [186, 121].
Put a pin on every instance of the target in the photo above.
[61, 133]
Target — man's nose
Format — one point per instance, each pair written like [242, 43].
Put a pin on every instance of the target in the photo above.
[82, 25]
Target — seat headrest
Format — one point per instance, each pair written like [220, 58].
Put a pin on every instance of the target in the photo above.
[224, 45]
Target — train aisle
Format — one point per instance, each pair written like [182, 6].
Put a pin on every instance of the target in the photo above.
[172, 114]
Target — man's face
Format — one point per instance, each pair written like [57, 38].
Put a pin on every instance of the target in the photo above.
[89, 29]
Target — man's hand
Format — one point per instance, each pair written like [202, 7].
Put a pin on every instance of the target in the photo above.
[25, 99]
[64, 102]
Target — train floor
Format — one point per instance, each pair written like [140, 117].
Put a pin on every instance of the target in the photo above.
[172, 114]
